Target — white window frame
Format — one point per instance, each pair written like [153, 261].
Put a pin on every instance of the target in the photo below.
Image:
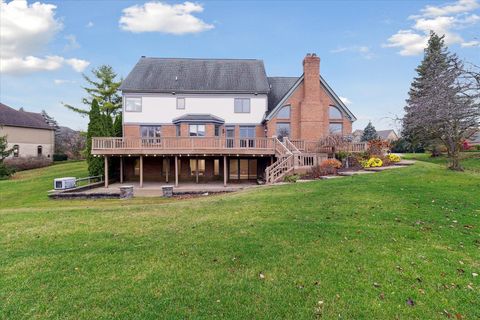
[178, 103]
[132, 98]
[244, 105]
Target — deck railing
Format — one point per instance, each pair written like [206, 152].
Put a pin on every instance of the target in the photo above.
[183, 143]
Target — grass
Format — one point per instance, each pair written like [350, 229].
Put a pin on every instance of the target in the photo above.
[470, 161]
[362, 245]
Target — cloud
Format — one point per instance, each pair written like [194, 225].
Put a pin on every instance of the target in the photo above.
[89, 24]
[29, 64]
[444, 20]
[72, 43]
[161, 17]
[62, 81]
[77, 64]
[470, 44]
[346, 100]
[27, 29]
[364, 51]
[459, 7]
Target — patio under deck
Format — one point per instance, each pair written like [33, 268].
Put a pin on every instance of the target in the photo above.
[154, 189]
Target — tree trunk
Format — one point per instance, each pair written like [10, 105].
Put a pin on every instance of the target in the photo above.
[454, 158]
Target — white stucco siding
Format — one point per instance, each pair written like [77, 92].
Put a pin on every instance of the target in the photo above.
[163, 108]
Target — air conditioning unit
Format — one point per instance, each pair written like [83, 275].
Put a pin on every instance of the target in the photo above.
[64, 183]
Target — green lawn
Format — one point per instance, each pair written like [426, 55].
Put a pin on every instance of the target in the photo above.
[363, 245]
[470, 160]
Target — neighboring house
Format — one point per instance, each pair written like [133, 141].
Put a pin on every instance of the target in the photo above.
[386, 135]
[474, 138]
[207, 119]
[27, 132]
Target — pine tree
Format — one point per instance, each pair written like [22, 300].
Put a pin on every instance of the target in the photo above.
[443, 103]
[118, 126]
[369, 133]
[5, 172]
[96, 128]
[104, 89]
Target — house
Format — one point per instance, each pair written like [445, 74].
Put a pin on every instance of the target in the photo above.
[474, 137]
[386, 135]
[208, 119]
[28, 133]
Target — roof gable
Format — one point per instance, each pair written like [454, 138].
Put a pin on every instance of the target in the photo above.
[15, 118]
[197, 76]
[338, 103]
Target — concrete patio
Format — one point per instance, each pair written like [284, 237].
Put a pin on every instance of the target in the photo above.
[154, 189]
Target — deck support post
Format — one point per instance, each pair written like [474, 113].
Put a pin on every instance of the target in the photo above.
[106, 171]
[224, 171]
[141, 171]
[167, 169]
[176, 171]
[196, 170]
[121, 169]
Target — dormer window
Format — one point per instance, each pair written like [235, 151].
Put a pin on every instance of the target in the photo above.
[242, 105]
[334, 113]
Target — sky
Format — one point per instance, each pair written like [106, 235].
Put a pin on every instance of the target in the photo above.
[369, 49]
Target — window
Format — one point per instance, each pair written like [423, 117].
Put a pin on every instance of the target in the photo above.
[242, 105]
[245, 134]
[197, 130]
[284, 113]
[16, 150]
[178, 130]
[181, 103]
[243, 169]
[334, 113]
[39, 151]
[194, 168]
[336, 128]
[217, 130]
[133, 104]
[283, 130]
[151, 131]
[216, 167]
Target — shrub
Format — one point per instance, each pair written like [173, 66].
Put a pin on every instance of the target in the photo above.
[393, 157]
[292, 178]
[377, 147]
[60, 157]
[5, 172]
[26, 163]
[372, 162]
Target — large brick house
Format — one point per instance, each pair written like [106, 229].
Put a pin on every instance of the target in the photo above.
[207, 119]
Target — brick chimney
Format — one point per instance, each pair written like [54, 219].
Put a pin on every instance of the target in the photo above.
[313, 113]
[311, 71]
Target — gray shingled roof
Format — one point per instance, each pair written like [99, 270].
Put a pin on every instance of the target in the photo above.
[196, 75]
[196, 117]
[16, 118]
[279, 87]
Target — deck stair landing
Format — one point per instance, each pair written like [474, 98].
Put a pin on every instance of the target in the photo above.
[289, 158]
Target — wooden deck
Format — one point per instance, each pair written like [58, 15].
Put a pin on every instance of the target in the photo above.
[183, 146]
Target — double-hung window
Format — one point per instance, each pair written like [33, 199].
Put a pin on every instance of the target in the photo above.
[181, 103]
[242, 105]
[196, 130]
[133, 104]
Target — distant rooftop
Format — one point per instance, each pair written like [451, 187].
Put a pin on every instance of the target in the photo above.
[19, 118]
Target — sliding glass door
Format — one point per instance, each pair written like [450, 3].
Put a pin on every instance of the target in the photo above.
[243, 169]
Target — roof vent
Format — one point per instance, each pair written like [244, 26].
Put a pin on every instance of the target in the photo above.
[176, 78]
[143, 57]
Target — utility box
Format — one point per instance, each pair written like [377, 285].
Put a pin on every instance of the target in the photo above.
[64, 183]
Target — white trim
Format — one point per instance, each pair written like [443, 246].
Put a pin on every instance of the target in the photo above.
[339, 104]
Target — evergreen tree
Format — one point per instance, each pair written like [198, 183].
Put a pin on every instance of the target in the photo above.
[369, 133]
[5, 172]
[96, 128]
[118, 126]
[443, 103]
[104, 89]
